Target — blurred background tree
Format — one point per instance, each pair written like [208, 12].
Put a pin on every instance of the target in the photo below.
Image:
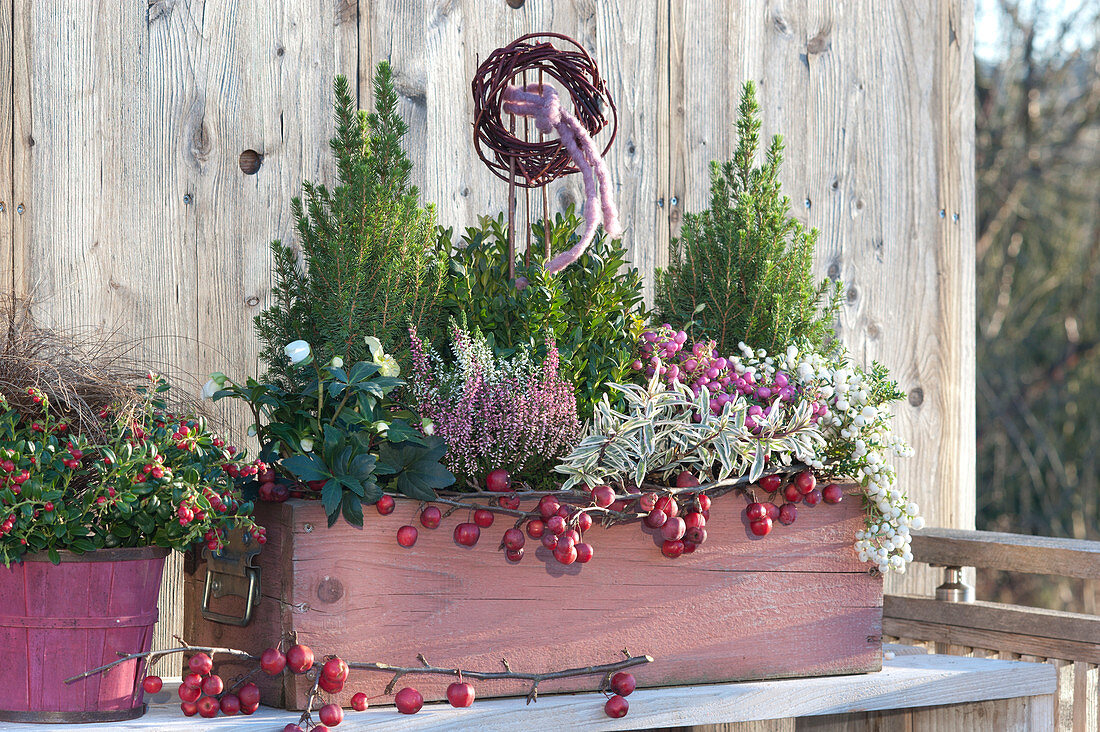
[1038, 275]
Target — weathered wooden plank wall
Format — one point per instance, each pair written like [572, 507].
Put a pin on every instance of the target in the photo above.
[122, 125]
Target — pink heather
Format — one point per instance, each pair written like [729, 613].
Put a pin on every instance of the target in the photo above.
[494, 420]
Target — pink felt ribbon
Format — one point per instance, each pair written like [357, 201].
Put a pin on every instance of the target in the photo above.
[544, 106]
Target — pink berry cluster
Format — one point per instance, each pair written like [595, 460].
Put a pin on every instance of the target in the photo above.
[762, 515]
[204, 692]
[666, 352]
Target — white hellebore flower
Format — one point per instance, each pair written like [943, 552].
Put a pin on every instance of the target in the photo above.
[210, 388]
[428, 426]
[337, 362]
[307, 444]
[297, 351]
[387, 364]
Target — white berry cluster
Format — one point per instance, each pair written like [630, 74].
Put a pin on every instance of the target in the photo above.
[858, 439]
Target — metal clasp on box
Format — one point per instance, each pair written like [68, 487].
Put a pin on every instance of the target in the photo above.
[229, 571]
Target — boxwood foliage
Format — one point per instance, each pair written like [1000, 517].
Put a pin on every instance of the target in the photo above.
[593, 309]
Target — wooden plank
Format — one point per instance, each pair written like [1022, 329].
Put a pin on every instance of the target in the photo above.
[1009, 552]
[992, 616]
[7, 111]
[1024, 714]
[1063, 698]
[22, 141]
[878, 145]
[905, 683]
[1009, 644]
[1086, 697]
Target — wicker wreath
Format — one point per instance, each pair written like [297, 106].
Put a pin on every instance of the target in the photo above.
[536, 163]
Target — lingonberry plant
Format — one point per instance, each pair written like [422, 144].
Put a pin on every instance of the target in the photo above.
[341, 435]
[148, 475]
[205, 693]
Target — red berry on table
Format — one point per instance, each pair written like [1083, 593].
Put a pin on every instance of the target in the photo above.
[193, 680]
[335, 669]
[792, 494]
[565, 555]
[293, 728]
[213, 685]
[509, 501]
[755, 511]
[231, 704]
[299, 658]
[603, 496]
[773, 510]
[655, 519]
[272, 661]
[695, 535]
[249, 708]
[549, 540]
[668, 505]
[584, 553]
[548, 506]
[616, 707]
[672, 549]
[556, 524]
[787, 514]
[647, 502]
[483, 517]
[832, 493]
[761, 527]
[514, 555]
[152, 684]
[330, 715]
[467, 534]
[249, 695]
[332, 686]
[535, 528]
[208, 707]
[686, 480]
[385, 505]
[566, 511]
[408, 700]
[704, 501]
[460, 694]
[584, 522]
[430, 517]
[813, 497]
[406, 536]
[498, 481]
[771, 483]
[513, 539]
[805, 481]
[565, 542]
[623, 683]
[695, 519]
[189, 708]
[673, 529]
[359, 701]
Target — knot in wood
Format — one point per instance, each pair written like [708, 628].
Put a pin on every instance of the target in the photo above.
[330, 590]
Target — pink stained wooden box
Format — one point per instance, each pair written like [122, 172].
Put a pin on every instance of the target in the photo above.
[794, 603]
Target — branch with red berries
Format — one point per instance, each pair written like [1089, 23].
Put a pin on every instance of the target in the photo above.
[205, 693]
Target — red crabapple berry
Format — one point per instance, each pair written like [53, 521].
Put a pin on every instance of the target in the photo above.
[430, 517]
[249, 696]
[330, 715]
[550, 540]
[509, 501]
[513, 539]
[408, 700]
[535, 528]
[548, 506]
[556, 524]
[467, 534]
[299, 658]
[514, 555]
[565, 554]
[483, 517]
[792, 494]
[201, 664]
[813, 497]
[762, 527]
[616, 707]
[603, 496]
[208, 707]
[672, 548]
[335, 669]
[385, 505]
[192, 679]
[695, 519]
[668, 505]
[584, 553]
[152, 684]
[755, 511]
[406, 536]
[273, 661]
[695, 535]
[686, 480]
[584, 522]
[673, 529]
[188, 693]
[230, 705]
[773, 510]
[623, 683]
[188, 708]
[832, 493]
[787, 514]
[460, 694]
[771, 483]
[704, 502]
[655, 519]
[213, 685]
[498, 481]
[647, 502]
[359, 701]
[805, 481]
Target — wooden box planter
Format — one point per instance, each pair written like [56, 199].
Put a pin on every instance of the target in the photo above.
[794, 603]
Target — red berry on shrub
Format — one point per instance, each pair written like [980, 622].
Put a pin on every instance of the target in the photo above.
[535, 528]
[385, 505]
[249, 708]
[467, 534]
[603, 496]
[673, 529]
[623, 683]
[460, 694]
[483, 518]
[549, 540]
[704, 501]
[673, 548]
[193, 680]
[330, 715]
[335, 670]
[408, 700]
[668, 505]
[616, 707]
[647, 502]
[273, 661]
[695, 519]
[509, 501]
[787, 514]
[249, 695]
[208, 707]
[695, 535]
[655, 519]
[686, 480]
[299, 659]
[406, 536]
[430, 517]
[213, 685]
[565, 555]
[330, 685]
[514, 555]
[230, 705]
[584, 553]
[359, 701]
[755, 511]
[499, 481]
[152, 684]
[548, 506]
[189, 708]
[761, 527]
[805, 481]
[773, 510]
[813, 497]
[584, 522]
[556, 524]
[792, 494]
[513, 539]
[201, 664]
[832, 493]
[771, 483]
